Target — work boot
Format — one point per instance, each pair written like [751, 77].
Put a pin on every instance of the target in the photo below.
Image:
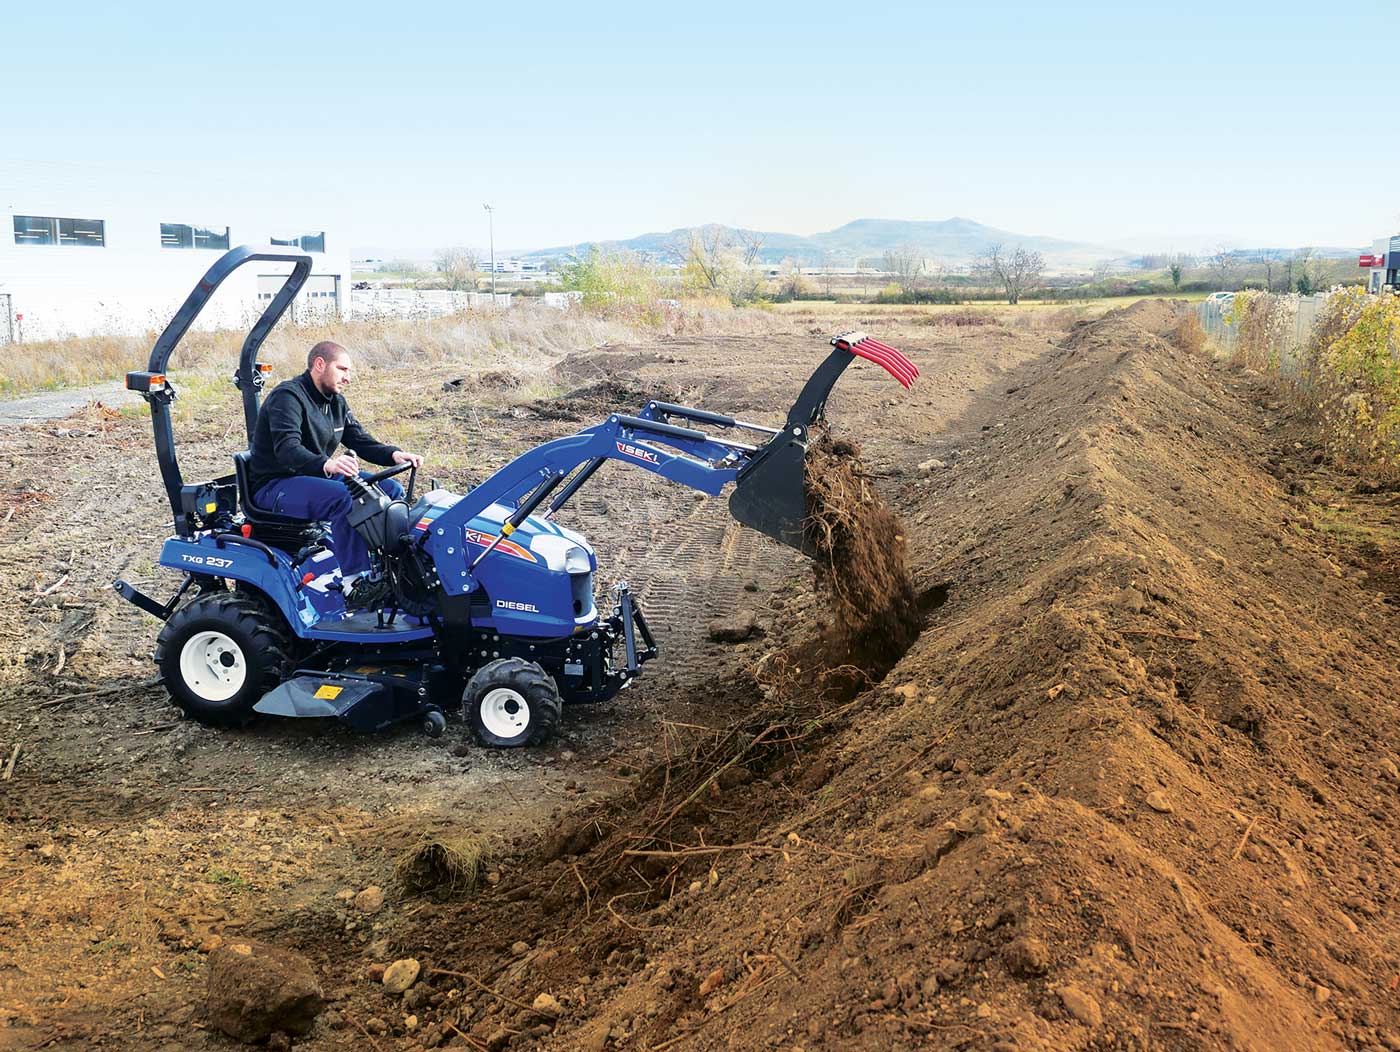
[366, 593]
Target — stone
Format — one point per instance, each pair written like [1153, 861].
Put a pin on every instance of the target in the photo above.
[519, 947]
[932, 464]
[1321, 994]
[278, 1041]
[907, 691]
[1081, 1005]
[735, 628]
[375, 972]
[546, 1005]
[211, 944]
[1157, 800]
[1387, 765]
[371, 900]
[1026, 956]
[400, 975]
[255, 989]
[375, 1025]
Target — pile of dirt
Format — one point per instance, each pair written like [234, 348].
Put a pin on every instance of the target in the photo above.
[1132, 789]
[858, 546]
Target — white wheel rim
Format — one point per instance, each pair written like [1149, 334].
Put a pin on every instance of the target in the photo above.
[505, 712]
[212, 666]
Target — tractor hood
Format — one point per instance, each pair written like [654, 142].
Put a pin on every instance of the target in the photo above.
[535, 540]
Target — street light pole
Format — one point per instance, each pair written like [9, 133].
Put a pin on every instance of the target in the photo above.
[491, 221]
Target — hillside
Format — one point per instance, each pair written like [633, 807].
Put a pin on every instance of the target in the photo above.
[954, 241]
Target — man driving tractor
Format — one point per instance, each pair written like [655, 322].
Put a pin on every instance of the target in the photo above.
[295, 468]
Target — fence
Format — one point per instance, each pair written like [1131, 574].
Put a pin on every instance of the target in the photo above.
[1225, 334]
[421, 303]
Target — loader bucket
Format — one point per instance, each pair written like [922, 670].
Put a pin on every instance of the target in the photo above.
[770, 493]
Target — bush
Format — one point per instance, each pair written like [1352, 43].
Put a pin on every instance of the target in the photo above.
[610, 279]
[1360, 399]
[1263, 322]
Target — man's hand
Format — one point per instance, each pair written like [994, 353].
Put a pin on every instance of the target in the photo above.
[345, 464]
[400, 457]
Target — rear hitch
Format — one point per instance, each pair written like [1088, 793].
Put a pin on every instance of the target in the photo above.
[139, 598]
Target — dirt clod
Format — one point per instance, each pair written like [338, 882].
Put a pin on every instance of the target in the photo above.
[1081, 1005]
[1026, 956]
[253, 993]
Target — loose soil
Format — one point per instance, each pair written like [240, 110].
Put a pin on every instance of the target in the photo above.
[858, 547]
[1130, 787]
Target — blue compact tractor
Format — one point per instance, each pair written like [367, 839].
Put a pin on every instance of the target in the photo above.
[490, 604]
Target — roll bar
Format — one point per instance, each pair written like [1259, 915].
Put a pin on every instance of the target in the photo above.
[158, 392]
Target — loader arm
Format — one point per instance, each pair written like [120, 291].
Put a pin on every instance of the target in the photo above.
[769, 479]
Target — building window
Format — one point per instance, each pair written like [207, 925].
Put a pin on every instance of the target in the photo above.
[306, 242]
[49, 230]
[182, 235]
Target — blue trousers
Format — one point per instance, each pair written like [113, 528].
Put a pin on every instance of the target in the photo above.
[316, 498]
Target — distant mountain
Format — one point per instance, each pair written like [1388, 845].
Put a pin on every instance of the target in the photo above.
[954, 241]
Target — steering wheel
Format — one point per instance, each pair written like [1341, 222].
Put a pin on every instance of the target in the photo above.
[380, 476]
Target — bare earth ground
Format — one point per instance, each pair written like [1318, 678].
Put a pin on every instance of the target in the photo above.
[1132, 787]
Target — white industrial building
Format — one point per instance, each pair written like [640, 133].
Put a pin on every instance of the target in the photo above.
[81, 255]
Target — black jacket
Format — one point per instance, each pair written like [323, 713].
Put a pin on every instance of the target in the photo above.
[299, 429]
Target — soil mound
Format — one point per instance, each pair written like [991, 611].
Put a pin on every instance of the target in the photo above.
[859, 552]
[1133, 788]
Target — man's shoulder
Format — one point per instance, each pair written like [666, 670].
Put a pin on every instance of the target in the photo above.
[287, 389]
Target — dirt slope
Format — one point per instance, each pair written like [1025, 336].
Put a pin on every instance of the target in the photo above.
[1132, 787]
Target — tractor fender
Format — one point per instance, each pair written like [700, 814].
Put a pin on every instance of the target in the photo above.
[266, 569]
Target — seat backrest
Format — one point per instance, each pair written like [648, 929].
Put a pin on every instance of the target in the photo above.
[243, 472]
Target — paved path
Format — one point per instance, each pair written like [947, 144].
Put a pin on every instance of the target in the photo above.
[53, 405]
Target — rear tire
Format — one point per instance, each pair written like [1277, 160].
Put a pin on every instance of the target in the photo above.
[219, 654]
[512, 702]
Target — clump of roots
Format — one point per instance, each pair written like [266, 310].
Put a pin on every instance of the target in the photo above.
[859, 555]
[449, 866]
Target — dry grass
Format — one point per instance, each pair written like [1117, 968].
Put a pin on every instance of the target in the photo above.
[451, 865]
[510, 339]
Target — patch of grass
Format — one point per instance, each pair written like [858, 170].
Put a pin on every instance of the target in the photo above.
[1349, 524]
[225, 878]
[111, 944]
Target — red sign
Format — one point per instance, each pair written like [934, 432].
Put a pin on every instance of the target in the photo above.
[1371, 261]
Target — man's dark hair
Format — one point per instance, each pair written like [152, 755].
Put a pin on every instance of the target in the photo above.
[328, 350]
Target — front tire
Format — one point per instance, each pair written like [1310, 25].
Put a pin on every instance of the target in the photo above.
[512, 702]
[219, 654]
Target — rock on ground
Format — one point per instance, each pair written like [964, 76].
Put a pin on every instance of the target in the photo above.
[735, 628]
[400, 975]
[256, 989]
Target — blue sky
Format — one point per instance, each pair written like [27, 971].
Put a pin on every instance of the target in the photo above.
[1121, 123]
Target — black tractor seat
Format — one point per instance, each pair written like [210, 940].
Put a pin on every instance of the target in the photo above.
[286, 532]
